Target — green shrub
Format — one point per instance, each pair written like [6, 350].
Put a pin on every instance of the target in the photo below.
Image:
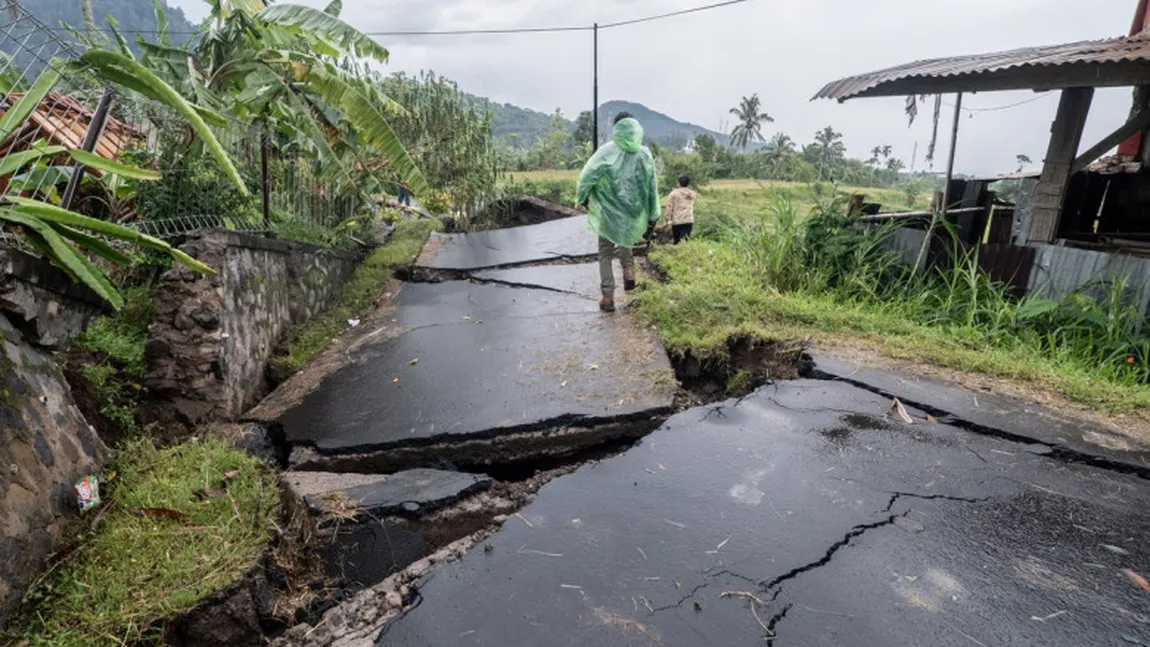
[676, 165]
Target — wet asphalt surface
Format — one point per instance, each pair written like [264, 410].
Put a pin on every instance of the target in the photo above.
[478, 361]
[566, 238]
[847, 525]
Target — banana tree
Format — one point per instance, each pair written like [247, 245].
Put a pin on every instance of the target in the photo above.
[64, 237]
[294, 70]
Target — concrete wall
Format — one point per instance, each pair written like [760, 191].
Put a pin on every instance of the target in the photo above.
[45, 443]
[213, 336]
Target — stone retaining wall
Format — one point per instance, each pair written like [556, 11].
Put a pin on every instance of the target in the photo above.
[45, 443]
[213, 336]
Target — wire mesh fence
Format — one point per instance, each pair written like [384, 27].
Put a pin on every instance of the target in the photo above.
[285, 195]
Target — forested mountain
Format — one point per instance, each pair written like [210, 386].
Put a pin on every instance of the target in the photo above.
[522, 127]
[130, 15]
[657, 126]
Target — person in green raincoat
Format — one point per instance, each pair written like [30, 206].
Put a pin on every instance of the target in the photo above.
[619, 190]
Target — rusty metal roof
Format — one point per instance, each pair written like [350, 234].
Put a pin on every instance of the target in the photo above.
[1113, 62]
[63, 121]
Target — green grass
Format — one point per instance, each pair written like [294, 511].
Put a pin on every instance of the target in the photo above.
[122, 336]
[726, 199]
[135, 569]
[736, 286]
[365, 286]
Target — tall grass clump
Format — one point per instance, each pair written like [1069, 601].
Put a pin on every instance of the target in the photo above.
[828, 257]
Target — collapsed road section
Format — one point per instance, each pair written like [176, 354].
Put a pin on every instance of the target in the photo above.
[802, 514]
[482, 374]
[458, 399]
[810, 511]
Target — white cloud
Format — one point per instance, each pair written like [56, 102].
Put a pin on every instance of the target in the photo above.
[696, 67]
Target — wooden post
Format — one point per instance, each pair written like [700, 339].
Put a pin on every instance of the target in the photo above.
[265, 184]
[595, 89]
[940, 213]
[855, 205]
[95, 130]
[1065, 137]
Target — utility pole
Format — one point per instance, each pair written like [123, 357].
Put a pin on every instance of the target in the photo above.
[595, 91]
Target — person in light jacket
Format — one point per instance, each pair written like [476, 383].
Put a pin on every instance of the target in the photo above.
[680, 215]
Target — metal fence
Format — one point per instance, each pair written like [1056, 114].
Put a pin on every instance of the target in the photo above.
[287, 198]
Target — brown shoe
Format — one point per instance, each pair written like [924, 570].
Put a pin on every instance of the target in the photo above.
[628, 279]
[607, 304]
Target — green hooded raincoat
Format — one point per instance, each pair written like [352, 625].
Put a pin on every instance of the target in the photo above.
[618, 184]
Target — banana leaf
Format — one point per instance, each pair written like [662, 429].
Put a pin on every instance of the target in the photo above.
[64, 255]
[56, 215]
[120, 66]
[318, 25]
[92, 160]
[16, 115]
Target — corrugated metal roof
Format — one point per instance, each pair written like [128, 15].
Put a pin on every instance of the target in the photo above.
[1053, 58]
[63, 121]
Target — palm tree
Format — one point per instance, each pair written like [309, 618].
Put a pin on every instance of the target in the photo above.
[751, 120]
[895, 166]
[780, 146]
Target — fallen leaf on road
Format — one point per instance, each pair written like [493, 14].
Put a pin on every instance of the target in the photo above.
[563, 384]
[414, 361]
[1138, 579]
[395, 381]
[901, 410]
[593, 367]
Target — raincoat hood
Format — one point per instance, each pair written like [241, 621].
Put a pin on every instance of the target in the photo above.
[628, 135]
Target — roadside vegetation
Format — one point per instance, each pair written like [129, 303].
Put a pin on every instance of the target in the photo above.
[721, 201]
[180, 524]
[360, 295]
[780, 274]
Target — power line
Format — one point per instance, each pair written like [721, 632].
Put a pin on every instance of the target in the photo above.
[672, 14]
[508, 30]
[470, 32]
[1006, 107]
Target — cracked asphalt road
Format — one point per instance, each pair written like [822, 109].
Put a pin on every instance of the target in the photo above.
[800, 515]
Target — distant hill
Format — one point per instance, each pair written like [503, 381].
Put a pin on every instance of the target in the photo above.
[130, 15]
[519, 127]
[522, 127]
[656, 125]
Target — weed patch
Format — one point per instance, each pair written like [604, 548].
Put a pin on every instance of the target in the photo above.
[787, 277]
[180, 524]
[122, 337]
[358, 297]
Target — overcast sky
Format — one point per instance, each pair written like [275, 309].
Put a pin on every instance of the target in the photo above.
[696, 67]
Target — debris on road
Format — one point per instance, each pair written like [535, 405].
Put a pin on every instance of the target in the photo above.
[1137, 579]
[897, 407]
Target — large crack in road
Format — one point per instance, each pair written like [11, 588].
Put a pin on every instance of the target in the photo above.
[722, 490]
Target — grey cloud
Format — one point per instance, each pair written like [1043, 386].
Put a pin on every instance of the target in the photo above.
[696, 67]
